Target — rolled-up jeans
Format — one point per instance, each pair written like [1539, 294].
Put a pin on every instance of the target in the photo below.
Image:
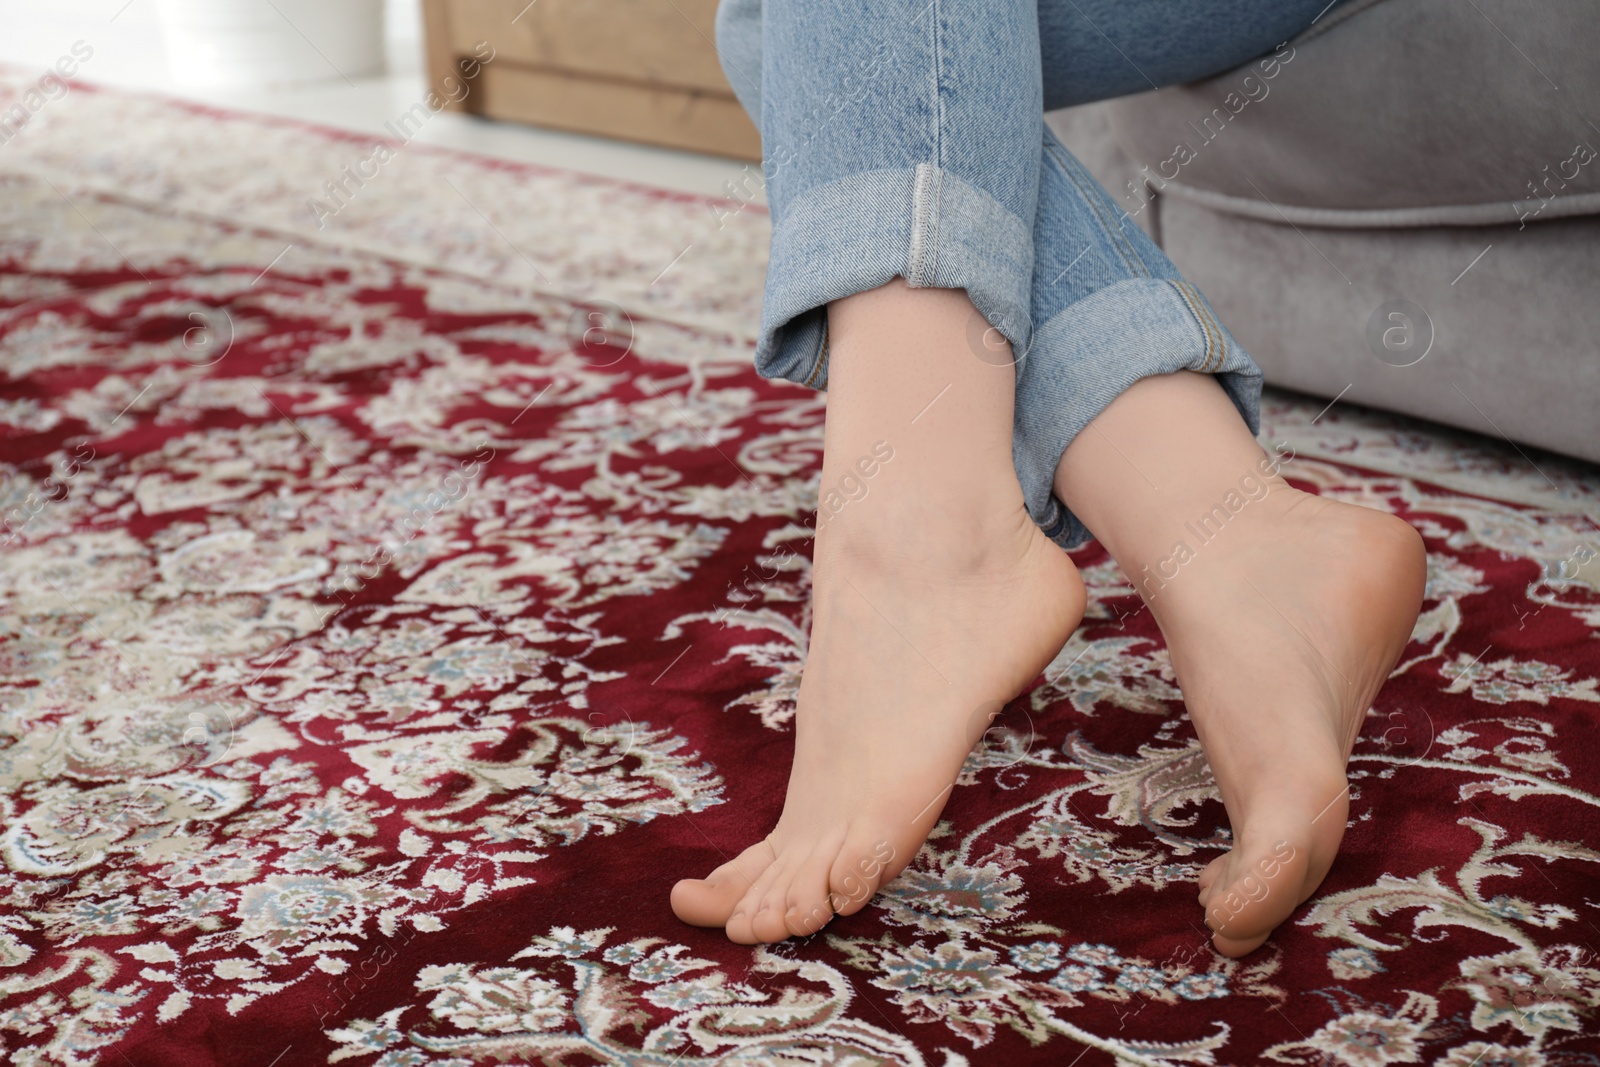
[906, 138]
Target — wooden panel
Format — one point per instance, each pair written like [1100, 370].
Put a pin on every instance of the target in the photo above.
[680, 118]
[437, 55]
[668, 42]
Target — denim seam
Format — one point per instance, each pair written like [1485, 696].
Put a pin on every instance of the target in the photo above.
[854, 234]
[1066, 171]
[1222, 335]
[1200, 318]
[1211, 325]
[1190, 299]
[1136, 266]
[924, 224]
[1213, 332]
[822, 357]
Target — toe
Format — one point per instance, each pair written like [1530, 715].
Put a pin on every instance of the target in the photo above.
[710, 901]
[806, 906]
[1234, 947]
[769, 922]
[858, 871]
[1209, 876]
[742, 924]
[1261, 887]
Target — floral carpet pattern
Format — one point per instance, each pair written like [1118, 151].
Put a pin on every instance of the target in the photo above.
[390, 613]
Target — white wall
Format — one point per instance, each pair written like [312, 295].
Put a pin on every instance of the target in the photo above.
[126, 37]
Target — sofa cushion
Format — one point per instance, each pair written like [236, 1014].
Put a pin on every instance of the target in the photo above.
[1390, 113]
[1504, 348]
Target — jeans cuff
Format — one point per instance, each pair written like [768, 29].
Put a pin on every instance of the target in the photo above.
[923, 224]
[1089, 354]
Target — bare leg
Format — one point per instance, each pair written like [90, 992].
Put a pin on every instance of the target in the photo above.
[1284, 613]
[936, 600]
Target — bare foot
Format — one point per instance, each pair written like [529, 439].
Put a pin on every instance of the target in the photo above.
[1281, 642]
[1284, 613]
[936, 600]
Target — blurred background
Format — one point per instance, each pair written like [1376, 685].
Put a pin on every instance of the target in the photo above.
[353, 64]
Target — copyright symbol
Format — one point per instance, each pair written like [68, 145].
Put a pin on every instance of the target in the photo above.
[600, 333]
[208, 731]
[1411, 734]
[988, 343]
[594, 734]
[1400, 333]
[208, 338]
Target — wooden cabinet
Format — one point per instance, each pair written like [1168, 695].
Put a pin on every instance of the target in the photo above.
[640, 70]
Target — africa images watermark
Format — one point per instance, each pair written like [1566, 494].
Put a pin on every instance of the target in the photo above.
[1583, 153]
[851, 487]
[52, 85]
[1255, 89]
[1208, 526]
[339, 191]
[1250, 888]
[52, 488]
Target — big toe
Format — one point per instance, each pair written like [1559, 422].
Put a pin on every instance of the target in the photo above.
[710, 901]
[862, 865]
[1208, 877]
[704, 902]
[1255, 889]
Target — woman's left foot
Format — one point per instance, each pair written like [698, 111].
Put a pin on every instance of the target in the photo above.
[1282, 631]
[1284, 613]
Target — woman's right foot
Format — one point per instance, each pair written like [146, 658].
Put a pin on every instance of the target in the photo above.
[911, 657]
[1284, 613]
[936, 600]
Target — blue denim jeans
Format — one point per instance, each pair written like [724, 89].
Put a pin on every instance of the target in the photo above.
[906, 138]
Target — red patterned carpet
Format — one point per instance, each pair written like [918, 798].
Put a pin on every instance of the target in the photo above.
[379, 644]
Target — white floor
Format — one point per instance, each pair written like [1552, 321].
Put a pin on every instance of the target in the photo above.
[129, 51]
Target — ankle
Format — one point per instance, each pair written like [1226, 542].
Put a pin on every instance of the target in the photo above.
[1167, 468]
[902, 372]
[906, 522]
[918, 495]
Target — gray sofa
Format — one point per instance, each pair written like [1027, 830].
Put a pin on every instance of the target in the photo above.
[1405, 214]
